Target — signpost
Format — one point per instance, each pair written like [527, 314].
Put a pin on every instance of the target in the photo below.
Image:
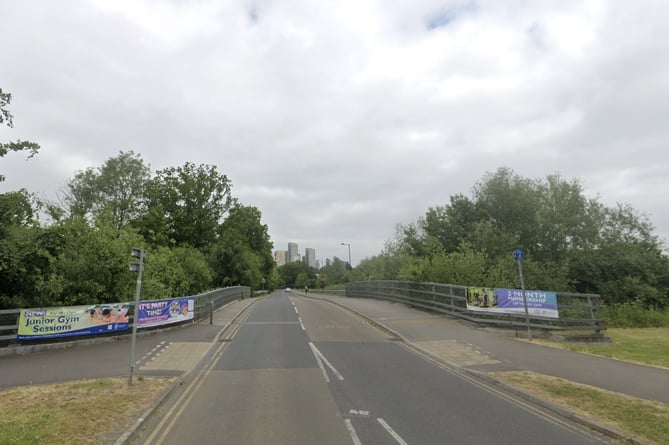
[519, 255]
[139, 268]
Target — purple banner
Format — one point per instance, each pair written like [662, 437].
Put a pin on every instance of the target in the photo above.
[510, 301]
[160, 312]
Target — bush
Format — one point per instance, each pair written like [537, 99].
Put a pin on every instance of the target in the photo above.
[634, 315]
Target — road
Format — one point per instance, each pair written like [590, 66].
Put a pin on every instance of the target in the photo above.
[303, 371]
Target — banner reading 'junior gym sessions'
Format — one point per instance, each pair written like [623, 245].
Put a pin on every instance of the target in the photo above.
[510, 301]
[159, 312]
[72, 321]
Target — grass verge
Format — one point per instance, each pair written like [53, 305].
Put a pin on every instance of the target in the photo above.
[646, 420]
[82, 412]
[649, 346]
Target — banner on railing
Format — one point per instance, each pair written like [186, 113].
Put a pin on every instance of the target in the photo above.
[72, 321]
[160, 312]
[510, 301]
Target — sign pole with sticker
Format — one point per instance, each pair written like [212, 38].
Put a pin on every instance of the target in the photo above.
[519, 255]
[139, 268]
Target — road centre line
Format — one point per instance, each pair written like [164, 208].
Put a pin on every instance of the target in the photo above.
[351, 430]
[315, 350]
[320, 363]
[270, 322]
[391, 431]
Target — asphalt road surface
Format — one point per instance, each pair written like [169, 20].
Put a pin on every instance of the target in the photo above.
[302, 371]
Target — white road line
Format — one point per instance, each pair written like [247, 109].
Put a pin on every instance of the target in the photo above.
[320, 363]
[295, 307]
[269, 322]
[391, 431]
[351, 430]
[332, 368]
[301, 324]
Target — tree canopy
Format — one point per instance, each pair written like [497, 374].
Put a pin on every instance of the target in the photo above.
[181, 215]
[7, 118]
[572, 242]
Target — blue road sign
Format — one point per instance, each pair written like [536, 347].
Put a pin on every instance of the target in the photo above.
[518, 254]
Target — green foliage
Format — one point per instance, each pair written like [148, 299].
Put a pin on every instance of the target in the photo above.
[386, 266]
[7, 118]
[242, 255]
[572, 243]
[16, 209]
[90, 265]
[634, 315]
[83, 256]
[175, 272]
[185, 205]
[296, 274]
[334, 272]
[113, 192]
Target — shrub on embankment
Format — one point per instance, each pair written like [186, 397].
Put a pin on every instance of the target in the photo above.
[632, 315]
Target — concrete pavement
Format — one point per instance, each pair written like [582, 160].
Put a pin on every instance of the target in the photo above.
[166, 352]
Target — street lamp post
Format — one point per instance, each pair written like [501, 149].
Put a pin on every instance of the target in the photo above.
[349, 254]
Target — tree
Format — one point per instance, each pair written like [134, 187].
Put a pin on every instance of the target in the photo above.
[288, 273]
[572, 243]
[22, 260]
[8, 119]
[451, 224]
[185, 205]
[243, 252]
[175, 272]
[335, 271]
[16, 209]
[114, 191]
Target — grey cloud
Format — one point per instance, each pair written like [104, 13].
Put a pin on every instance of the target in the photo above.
[340, 120]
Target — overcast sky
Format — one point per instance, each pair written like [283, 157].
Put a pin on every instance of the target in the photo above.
[340, 119]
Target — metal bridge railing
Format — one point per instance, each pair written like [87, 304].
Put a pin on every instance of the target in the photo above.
[204, 304]
[577, 312]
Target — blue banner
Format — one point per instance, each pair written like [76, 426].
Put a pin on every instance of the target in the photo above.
[510, 301]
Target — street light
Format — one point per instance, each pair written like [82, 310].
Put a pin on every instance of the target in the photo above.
[349, 254]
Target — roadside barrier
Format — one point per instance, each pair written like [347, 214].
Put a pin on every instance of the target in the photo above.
[204, 305]
[578, 313]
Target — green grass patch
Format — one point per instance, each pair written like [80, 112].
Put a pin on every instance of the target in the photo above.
[84, 412]
[646, 420]
[649, 346]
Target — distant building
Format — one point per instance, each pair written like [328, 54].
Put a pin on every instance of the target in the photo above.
[293, 254]
[310, 257]
[280, 257]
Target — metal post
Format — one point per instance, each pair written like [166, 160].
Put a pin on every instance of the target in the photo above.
[349, 253]
[522, 287]
[141, 254]
[211, 313]
[593, 317]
